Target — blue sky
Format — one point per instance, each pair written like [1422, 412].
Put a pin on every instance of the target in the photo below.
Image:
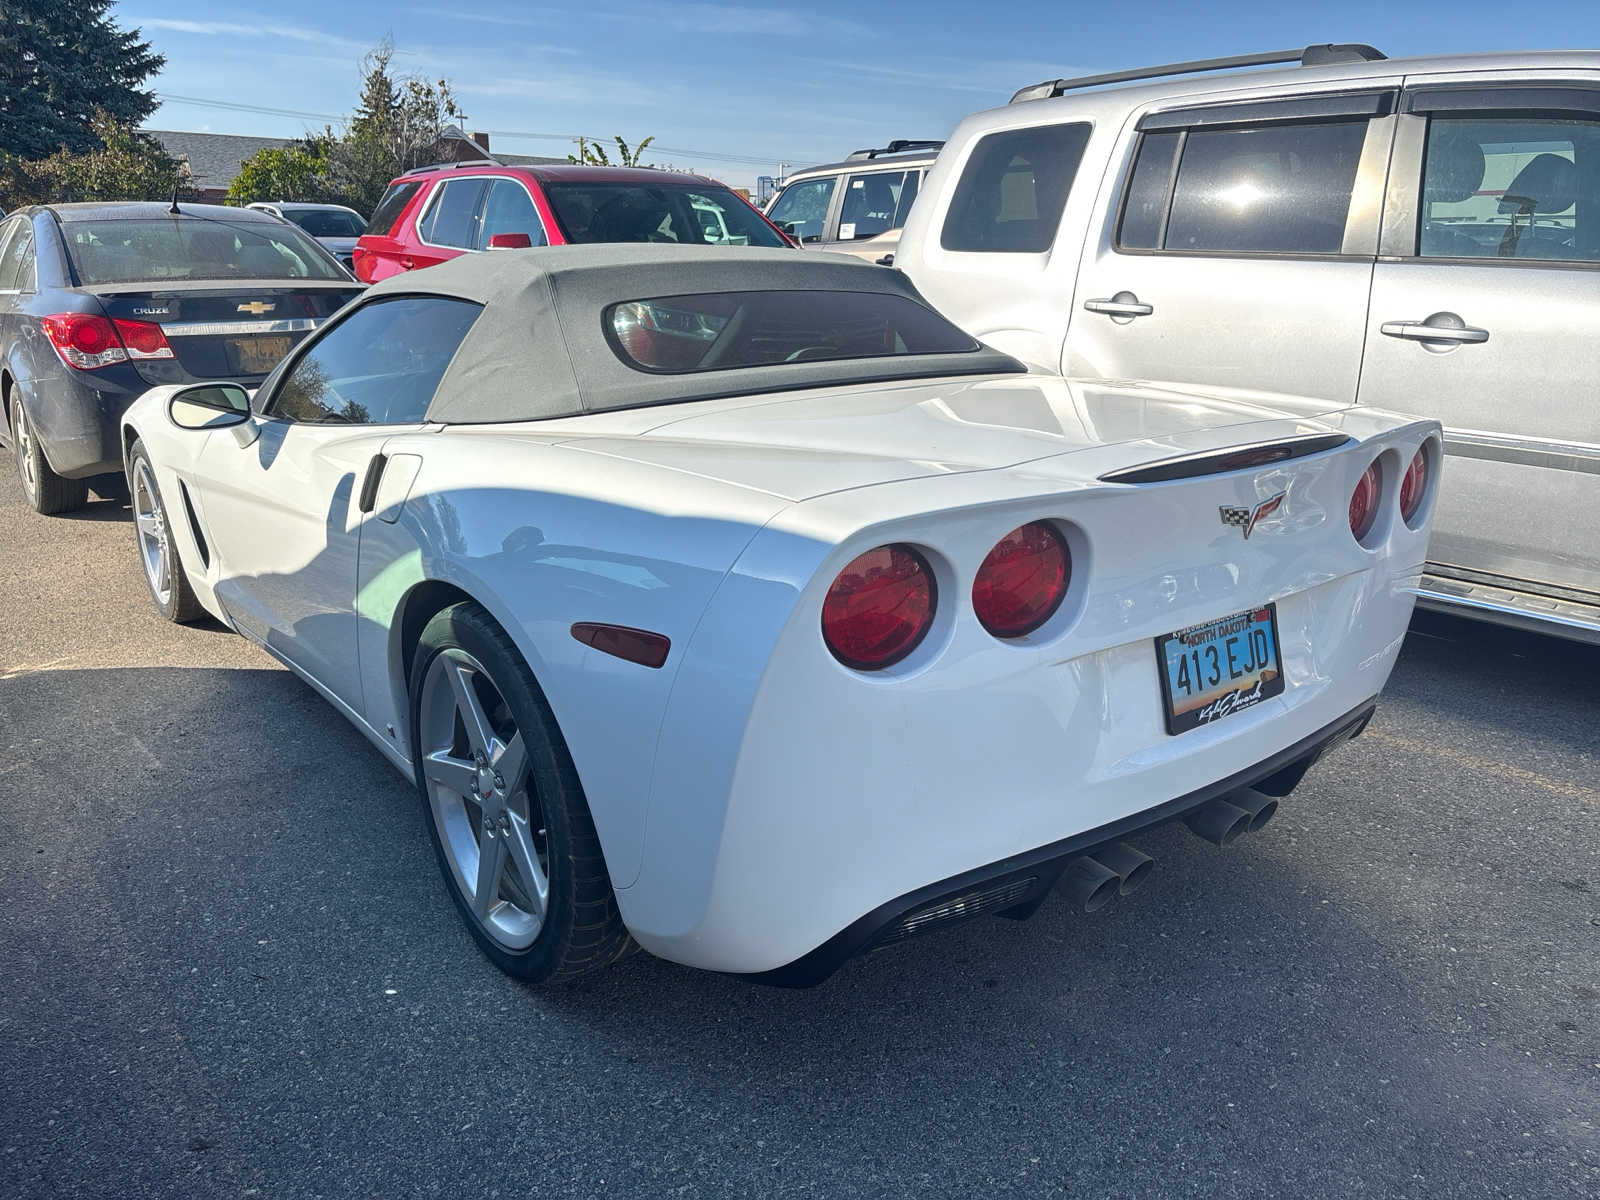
[722, 84]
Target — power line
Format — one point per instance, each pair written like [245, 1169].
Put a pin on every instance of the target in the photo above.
[236, 106]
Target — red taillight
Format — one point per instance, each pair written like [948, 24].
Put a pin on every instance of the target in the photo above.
[144, 339]
[1413, 485]
[83, 340]
[879, 608]
[1364, 502]
[1022, 581]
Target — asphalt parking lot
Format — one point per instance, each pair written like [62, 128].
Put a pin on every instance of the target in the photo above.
[228, 966]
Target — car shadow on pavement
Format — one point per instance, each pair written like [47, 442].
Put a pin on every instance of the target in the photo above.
[230, 930]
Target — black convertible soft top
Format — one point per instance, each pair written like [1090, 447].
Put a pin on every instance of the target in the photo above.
[539, 349]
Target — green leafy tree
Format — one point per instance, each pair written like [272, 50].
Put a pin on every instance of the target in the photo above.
[128, 165]
[298, 171]
[592, 153]
[60, 65]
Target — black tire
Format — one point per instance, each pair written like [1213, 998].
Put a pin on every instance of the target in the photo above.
[582, 928]
[45, 491]
[181, 606]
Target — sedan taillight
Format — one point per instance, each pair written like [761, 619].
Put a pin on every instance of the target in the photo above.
[144, 339]
[879, 608]
[1364, 502]
[1022, 580]
[84, 341]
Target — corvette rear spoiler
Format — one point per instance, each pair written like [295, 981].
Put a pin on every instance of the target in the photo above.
[1234, 458]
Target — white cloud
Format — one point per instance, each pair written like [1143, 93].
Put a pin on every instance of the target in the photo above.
[252, 29]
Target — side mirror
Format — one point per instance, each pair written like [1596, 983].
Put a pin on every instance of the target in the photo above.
[509, 241]
[209, 406]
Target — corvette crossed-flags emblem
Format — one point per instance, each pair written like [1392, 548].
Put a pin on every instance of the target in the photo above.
[1247, 518]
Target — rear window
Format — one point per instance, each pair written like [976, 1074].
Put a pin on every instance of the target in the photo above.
[390, 207]
[126, 251]
[327, 222]
[1013, 190]
[679, 335]
[636, 212]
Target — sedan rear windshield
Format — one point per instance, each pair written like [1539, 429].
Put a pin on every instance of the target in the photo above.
[678, 335]
[327, 222]
[636, 212]
[140, 250]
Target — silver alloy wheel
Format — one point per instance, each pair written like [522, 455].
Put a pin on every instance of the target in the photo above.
[151, 524]
[24, 440]
[489, 820]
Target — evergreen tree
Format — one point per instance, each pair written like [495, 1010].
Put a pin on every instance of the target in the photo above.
[61, 64]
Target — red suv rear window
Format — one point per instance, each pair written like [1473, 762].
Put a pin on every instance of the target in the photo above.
[391, 206]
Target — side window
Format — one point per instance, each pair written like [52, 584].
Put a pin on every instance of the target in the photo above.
[1144, 211]
[509, 210]
[452, 217]
[11, 237]
[21, 253]
[1013, 189]
[1282, 188]
[390, 207]
[908, 195]
[1519, 187]
[378, 366]
[802, 210]
[870, 204]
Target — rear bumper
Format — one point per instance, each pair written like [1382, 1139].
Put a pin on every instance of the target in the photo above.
[1019, 883]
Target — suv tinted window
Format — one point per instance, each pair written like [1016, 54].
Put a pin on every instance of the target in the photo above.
[1279, 188]
[666, 212]
[1524, 187]
[378, 366]
[1144, 212]
[509, 210]
[390, 207]
[802, 209]
[871, 202]
[452, 216]
[1013, 189]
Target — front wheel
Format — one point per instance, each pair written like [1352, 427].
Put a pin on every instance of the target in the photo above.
[158, 554]
[46, 492]
[514, 837]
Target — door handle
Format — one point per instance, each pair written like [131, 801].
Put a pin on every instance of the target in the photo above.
[406, 264]
[886, 261]
[1124, 304]
[369, 486]
[1425, 331]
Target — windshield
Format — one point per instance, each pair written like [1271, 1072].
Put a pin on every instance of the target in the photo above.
[129, 251]
[726, 330]
[636, 212]
[327, 222]
[801, 209]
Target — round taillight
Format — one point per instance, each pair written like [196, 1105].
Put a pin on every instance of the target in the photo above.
[1413, 485]
[1022, 580]
[879, 608]
[90, 334]
[1364, 503]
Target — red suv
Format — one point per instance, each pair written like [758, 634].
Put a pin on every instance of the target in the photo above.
[435, 213]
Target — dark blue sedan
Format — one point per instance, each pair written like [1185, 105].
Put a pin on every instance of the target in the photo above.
[100, 301]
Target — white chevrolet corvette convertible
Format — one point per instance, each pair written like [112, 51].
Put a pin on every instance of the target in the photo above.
[736, 605]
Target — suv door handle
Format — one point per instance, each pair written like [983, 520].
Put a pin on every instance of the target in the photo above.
[1124, 304]
[406, 264]
[1426, 331]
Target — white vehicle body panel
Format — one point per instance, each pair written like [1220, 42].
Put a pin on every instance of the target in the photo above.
[754, 797]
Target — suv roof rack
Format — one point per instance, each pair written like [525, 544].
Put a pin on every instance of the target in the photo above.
[898, 146]
[446, 166]
[1324, 55]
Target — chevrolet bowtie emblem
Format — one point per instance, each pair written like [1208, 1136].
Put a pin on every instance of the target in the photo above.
[256, 307]
[1247, 518]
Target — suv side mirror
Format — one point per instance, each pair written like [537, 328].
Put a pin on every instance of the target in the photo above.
[209, 406]
[509, 241]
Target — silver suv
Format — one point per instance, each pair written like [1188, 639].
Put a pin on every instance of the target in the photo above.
[857, 206]
[1420, 234]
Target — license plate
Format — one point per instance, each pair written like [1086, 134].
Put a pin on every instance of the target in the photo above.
[258, 355]
[1214, 670]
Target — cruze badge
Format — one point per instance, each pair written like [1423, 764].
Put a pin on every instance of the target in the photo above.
[1247, 518]
[256, 307]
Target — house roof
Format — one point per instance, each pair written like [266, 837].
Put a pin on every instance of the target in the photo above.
[213, 158]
